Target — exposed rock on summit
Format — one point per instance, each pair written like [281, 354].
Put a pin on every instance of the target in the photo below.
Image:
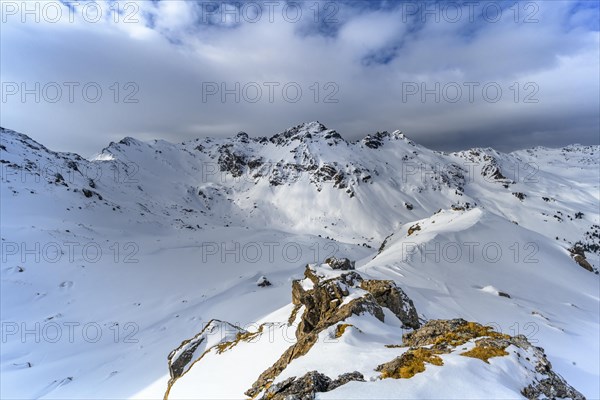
[438, 337]
[329, 300]
[323, 296]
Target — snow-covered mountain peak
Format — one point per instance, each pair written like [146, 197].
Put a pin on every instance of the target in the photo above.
[217, 228]
[308, 131]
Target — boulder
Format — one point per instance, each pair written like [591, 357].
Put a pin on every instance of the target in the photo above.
[343, 264]
[263, 282]
[306, 387]
[387, 294]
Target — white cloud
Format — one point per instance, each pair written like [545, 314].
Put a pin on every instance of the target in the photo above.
[168, 54]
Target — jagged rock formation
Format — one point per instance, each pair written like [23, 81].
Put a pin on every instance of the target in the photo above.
[320, 303]
[388, 294]
[489, 159]
[305, 387]
[322, 299]
[190, 351]
[328, 297]
[340, 263]
[436, 337]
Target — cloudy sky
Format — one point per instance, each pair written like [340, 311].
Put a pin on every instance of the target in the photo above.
[451, 75]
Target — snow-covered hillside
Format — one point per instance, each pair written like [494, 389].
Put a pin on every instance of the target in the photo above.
[109, 264]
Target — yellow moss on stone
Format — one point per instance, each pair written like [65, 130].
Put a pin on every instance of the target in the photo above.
[464, 333]
[222, 347]
[487, 348]
[410, 363]
[427, 347]
[413, 229]
[240, 336]
[485, 352]
[340, 329]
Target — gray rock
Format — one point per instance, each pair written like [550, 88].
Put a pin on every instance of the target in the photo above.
[345, 378]
[388, 294]
[305, 387]
[263, 282]
[343, 264]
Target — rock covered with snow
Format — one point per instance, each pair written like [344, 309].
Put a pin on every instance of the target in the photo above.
[339, 304]
[263, 282]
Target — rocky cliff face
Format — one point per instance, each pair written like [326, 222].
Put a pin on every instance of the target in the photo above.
[333, 300]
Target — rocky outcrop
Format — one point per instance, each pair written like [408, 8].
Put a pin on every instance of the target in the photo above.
[444, 334]
[231, 162]
[323, 303]
[413, 229]
[378, 139]
[218, 336]
[323, 300]
[553, 387]
[342, 177]
[345, 378]
[578, 254]
[387, 294]
[263, 282]
[180, 359]
[305, 387]
[409, 363]
[547, 383]
[519, 195]
[491, 170]
[343, 264]
[438, 337]
[583, 263]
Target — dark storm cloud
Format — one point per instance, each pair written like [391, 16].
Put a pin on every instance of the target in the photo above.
[497, 75]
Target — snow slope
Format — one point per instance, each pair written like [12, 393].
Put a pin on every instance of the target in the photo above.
[146, 243]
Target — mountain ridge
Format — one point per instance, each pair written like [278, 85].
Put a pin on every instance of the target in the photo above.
[397, 134]
[183, 233]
